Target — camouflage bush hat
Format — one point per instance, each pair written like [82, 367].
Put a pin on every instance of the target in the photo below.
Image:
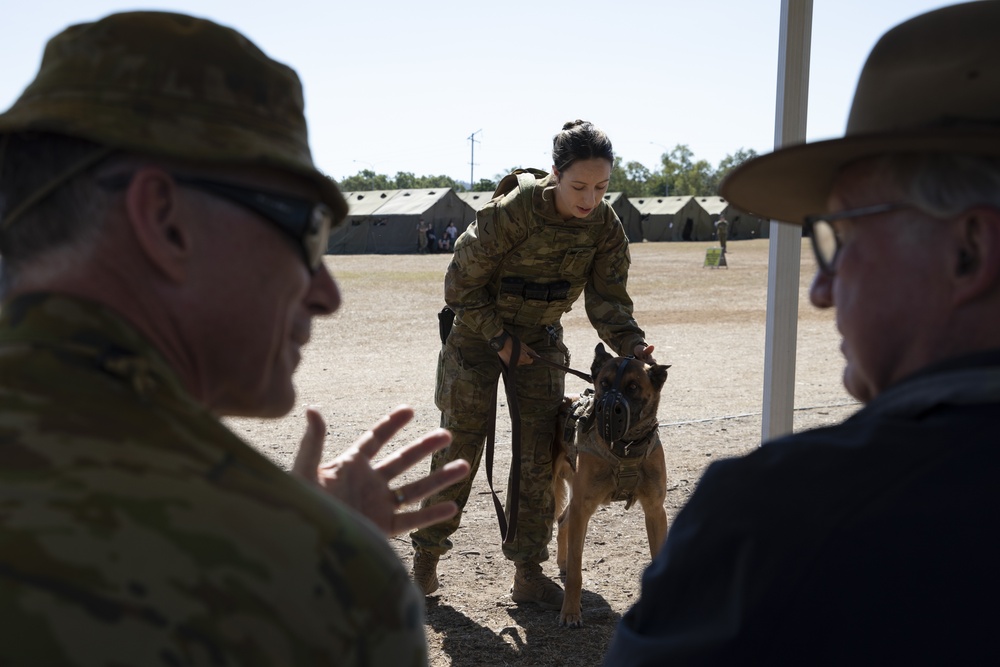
[931, 84]
[174, 86]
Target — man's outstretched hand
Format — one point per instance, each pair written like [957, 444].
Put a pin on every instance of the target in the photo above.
[356, 481]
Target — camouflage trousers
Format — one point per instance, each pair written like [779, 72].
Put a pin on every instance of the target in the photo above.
[467, 377]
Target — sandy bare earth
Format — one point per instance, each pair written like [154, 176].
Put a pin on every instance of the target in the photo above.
[380, 351]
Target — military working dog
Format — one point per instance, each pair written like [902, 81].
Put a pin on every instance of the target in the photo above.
[608, 449]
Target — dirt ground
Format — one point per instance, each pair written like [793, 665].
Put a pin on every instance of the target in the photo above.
[380, 351]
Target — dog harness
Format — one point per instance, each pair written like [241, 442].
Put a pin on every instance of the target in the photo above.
[625, 457]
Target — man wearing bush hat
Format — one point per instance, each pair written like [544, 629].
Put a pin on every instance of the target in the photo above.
[873, 541]
[162, 230]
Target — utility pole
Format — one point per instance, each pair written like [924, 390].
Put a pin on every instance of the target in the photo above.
[472, 158]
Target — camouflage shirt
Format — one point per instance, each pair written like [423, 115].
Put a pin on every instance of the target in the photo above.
[138, 530]
[521, 264]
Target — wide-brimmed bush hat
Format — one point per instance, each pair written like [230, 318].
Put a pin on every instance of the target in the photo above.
[931, 84]
[175, 86]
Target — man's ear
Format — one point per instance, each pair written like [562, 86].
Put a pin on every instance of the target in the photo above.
[155, 217]
[976, 262]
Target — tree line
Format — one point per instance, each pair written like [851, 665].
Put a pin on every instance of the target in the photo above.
[679, 174]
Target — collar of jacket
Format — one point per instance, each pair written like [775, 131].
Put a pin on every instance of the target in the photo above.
[973, 380]
[95, 335]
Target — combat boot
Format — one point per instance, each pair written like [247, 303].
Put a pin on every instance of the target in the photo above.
[425, 570]
[530, 585]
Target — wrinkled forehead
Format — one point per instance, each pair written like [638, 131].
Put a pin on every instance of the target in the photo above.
[866, 181]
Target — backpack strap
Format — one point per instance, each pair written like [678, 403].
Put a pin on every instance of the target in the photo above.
[526, 179]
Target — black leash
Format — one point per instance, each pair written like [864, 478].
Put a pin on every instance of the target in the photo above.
[580, 374]
[509, 374]
[507, 532]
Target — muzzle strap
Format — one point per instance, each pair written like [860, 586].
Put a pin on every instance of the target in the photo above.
[614, 415]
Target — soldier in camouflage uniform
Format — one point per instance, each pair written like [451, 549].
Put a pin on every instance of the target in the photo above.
[162, 228]
[542, 241]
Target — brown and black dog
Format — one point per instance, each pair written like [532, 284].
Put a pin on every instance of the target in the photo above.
[616, 455]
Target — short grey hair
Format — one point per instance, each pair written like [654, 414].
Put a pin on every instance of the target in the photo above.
[70, 218]
[944, 185]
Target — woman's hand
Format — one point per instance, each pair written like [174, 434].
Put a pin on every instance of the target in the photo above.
[644, 352]
[508, 347]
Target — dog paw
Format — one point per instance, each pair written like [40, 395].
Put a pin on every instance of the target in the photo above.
[569, 620]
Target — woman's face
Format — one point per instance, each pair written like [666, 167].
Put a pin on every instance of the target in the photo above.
[581, 186]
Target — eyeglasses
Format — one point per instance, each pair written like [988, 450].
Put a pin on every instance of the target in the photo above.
[826, 242]
[306, 222]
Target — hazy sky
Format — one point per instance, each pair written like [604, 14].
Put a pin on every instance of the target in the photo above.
[397, 85]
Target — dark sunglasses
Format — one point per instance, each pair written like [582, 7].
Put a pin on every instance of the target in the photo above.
[306, 222]
[826, 242]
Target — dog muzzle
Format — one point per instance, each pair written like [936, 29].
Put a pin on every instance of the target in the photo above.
[614, 414]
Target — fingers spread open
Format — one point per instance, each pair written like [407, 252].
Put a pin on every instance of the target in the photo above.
[372, 441]
[440, 479]
[406, 457]
[406, 521]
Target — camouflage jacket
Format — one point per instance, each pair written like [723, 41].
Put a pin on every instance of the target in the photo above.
[520, 264]
[138, 530]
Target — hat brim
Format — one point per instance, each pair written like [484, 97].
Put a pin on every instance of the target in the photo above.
[791, 183]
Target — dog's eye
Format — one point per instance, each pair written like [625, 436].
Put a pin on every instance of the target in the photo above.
[605, 384]
[633, 387]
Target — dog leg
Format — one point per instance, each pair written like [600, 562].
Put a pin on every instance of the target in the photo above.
[656, 523]
[577, 520]
[561, 539]
[561, 489]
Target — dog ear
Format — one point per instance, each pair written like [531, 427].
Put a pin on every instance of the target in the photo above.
[657, 376]
[601, 357]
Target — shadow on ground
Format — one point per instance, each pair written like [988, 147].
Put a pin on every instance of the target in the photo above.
[523, 635]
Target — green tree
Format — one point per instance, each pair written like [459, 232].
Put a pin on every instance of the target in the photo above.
[629, 179]
[440, 181]
[366, 179]
[406, 180]
[485, 185]
[730, 162]
[682, 175]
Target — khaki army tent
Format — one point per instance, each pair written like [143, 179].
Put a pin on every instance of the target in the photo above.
[475, 200]
[741, 225]
[353, 236]
[385, 221]
[628, 214]
[399, 216]
[673, 219]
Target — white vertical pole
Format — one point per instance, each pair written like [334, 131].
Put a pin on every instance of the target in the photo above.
[785, 248]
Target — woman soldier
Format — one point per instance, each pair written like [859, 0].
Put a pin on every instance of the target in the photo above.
[534, 248]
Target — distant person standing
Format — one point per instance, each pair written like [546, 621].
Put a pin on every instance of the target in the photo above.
[450, 234]
[432, 239]
[422, 229]
[722, 231]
